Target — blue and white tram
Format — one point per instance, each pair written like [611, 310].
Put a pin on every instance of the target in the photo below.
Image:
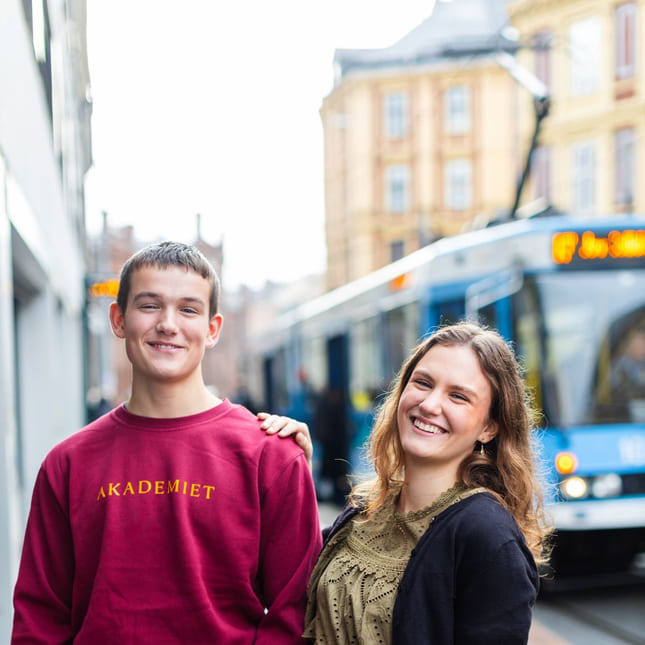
[570, 295]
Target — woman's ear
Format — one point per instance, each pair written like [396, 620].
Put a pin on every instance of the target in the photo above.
[117, 320]
[489, 432]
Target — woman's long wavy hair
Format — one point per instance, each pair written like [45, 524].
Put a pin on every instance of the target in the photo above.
[508, 467]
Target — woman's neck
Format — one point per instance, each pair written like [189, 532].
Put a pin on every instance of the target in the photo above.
[422, 488]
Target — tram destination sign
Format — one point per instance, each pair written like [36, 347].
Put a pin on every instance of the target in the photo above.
[598, 249]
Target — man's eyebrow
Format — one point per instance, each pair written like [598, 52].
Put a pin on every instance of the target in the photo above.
[195, 299]
[145, 295]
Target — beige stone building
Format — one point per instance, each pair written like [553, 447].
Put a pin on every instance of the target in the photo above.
[420, 139]
[589, 54]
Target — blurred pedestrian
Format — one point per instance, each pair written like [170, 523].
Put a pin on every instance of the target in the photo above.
[330, 432]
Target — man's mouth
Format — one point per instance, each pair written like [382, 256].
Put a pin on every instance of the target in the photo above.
[163, 346]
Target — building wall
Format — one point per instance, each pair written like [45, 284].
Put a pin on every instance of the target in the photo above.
[359, 226]
[44, 153]
[591, 117]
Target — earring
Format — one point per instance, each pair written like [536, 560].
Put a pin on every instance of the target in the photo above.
[481, 448]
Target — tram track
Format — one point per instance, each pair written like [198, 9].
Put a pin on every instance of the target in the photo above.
[596, 610]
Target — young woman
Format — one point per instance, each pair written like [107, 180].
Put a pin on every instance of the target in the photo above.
[443, 546]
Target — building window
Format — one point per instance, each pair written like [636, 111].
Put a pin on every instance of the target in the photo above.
[396, 115]
[625, 39]
[397, 250]
[584, 56]
[624, 167]
[542, 42]
[458, 185]
[541, 173]
[457, 109]
[583, 177]
[397, 188]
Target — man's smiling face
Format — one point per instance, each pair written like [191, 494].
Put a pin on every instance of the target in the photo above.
[166, 326]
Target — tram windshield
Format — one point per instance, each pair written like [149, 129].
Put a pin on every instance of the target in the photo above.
[582, 336]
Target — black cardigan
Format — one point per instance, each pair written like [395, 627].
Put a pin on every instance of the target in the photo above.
[471, 579]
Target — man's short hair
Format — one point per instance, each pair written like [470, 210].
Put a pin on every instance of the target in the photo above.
[169, 254]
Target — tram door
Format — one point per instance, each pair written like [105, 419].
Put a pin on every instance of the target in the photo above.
[275, 387]
[333, 427]
[337, 363]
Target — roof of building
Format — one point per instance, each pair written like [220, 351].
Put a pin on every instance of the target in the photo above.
[456, 28]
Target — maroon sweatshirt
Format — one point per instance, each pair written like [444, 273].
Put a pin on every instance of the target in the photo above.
[200, 529]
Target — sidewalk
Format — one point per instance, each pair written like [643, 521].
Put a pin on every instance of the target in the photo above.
[328, 513]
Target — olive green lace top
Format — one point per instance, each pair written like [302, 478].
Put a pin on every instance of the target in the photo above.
[353, 586]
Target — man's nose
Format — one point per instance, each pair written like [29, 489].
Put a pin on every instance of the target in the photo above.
[167, 322]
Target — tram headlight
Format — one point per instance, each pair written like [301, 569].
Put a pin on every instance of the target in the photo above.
[574, 488]
[607, 485]
[566, 463]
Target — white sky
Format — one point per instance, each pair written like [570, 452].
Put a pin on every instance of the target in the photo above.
[211, 107]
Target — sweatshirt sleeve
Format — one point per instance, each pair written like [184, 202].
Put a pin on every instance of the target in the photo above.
[290, 543]
[42, 595]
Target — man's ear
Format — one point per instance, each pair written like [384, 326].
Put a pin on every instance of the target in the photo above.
[117, 320]
[214, 329]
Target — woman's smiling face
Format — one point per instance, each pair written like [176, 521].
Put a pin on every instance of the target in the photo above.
[444, 409]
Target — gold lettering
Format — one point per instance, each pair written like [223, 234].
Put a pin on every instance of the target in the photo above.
[564, 247]
[627, 244]
[160, 486]
[593, 247]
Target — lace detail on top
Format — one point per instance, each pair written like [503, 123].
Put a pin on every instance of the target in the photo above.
[359, 575]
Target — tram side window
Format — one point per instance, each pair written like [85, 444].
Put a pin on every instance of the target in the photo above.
[488, 316]
[620, 381]
[314, 362]
[449, 312]
[401, 335]
[365, 366]
[313, 375]
[452, 311]
[527, 336]
[279, 382]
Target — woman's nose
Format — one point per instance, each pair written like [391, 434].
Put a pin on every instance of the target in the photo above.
[431, 403]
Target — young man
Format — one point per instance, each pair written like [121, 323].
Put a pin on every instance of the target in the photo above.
[173, 518]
